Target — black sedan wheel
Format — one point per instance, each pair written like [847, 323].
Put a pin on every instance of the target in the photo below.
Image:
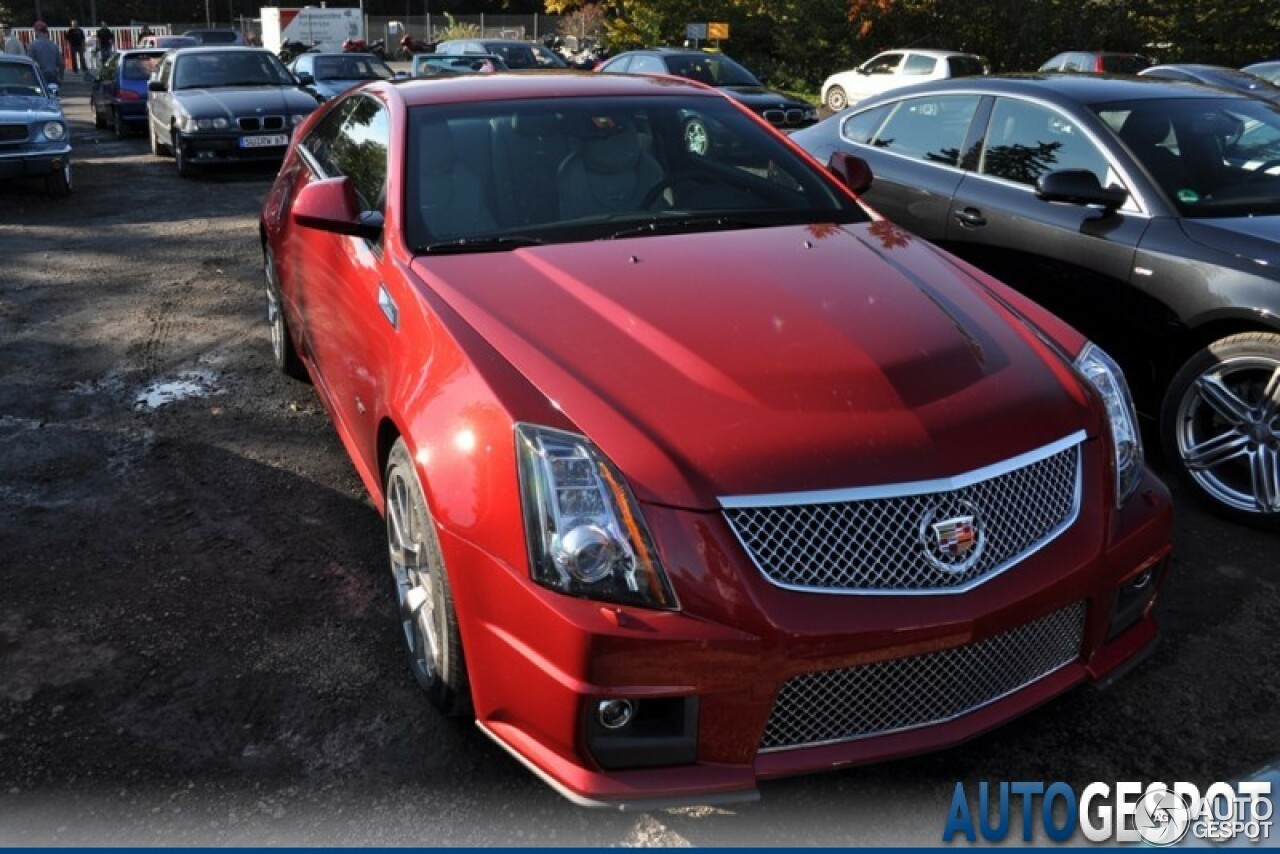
[1221, 426]
[427, 615]
[186, 168]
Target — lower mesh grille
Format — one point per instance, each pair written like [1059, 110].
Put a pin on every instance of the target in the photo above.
[888, 696]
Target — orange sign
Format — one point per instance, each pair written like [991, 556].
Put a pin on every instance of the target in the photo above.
[717, 30]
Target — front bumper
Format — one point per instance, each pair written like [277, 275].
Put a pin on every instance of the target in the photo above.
[541, 663]
[19, 164]
[209, 148]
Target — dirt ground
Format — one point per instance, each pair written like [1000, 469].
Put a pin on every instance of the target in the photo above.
[197, 637]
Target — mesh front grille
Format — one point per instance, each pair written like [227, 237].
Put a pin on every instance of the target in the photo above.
[916, 542]
[874, 699]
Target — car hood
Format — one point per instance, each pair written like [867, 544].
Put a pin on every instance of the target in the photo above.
[759, 96]
[1253, 238]
[25, 108]
[768, 360]
[238, 101]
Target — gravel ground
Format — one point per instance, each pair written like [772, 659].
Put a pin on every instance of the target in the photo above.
[197, 638]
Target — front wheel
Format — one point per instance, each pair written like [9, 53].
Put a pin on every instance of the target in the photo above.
[1220, 427]
[837, 100]
[283, 353]
[427, 616]
[181, 159]
[58, 182]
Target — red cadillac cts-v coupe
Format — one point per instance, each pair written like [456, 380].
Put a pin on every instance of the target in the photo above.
[695, 471]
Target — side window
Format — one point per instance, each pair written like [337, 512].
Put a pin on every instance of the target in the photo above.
[360, 151]
[930, 129]
[885, 63]
[1025, 141]
[620, 64]
[304, 65]
[861, 126]
[166, 72]
[319, 142]
[917, 64]
[645, 64]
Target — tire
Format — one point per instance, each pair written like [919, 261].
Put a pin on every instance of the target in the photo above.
[158, 148]
[428, 619]
[837, 99]
[1220, 427]
[283, 353]
[697, 137]
[121, 129]
[58, 184]
[186, 169]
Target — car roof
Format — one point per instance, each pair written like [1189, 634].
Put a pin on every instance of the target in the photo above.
[548, 84]
[482, 40]
[218, 48]
[1190, 66]
[15, 58]
[936, 54]
[360, 54]
[1067, 88]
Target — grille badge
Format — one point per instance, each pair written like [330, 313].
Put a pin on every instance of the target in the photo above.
[953, 543]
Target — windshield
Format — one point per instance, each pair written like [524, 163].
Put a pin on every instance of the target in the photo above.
[1212, 157]
[499, 175]
[210, 69]
[351, 68]
[19, 79]
[711, 69]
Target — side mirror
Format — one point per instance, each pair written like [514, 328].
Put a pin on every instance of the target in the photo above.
[1079, 187]
[853, 171]
[53, 90]
[402, 75]
[305, 78]
[331, 205]
[155, 86]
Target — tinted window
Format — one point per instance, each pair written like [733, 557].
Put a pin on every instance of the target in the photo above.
[931, 129]
[1168, 74]
[708, 68]
[1025, 141]
[1124, 63]
[360, 152]
[917, 64]
[319, 142]
[139, 66]
[885, 63]
[211, 69]
[861, 127]
[965, 66]
[645, 64]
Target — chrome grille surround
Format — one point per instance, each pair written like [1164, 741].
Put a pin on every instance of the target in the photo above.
[877, 540]
[257, 123]
[877, 699]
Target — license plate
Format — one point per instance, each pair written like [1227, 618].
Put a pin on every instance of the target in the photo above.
[274, 139]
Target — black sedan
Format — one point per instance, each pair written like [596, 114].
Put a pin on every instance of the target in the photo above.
[1216, 75]
[327, 74]
[1146, 212]
[214, 105]
[715, 69]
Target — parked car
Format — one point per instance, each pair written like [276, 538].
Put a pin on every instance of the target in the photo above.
[716, 69]
[518, 55]
[1144, 211]
[168, 42]
[327, 74]
[212, 105]
[436, 65]
[34, 138]
[119, 95]
[1216, 75]
[894, 69]
[216, 36]
[693, 471]
[1269, 71]
[1098, 62]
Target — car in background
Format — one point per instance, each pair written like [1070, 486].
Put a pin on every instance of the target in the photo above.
[216, 36]
[716, 69]
[212, 105]
[695, 472]
[894, 69]
[34, 138]
[119, 95]
[518, 55]
[327, 74]
[1144, 211]
[1216, 75]
[1269, 71]
[1098, 62]
[440, 65]
[168, 42]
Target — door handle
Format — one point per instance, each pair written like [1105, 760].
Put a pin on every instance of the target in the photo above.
[389, 308]
[971, 217]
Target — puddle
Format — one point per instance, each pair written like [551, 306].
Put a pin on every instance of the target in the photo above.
[182, 387]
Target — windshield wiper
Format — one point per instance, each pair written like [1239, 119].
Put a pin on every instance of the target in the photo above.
[251, 83]
[677, 225]
[479, 244]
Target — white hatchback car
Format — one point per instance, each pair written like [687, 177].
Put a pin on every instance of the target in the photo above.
[896, 68]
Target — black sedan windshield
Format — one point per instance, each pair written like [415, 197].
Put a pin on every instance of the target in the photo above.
[712, 70]
[499, 175]
[207, 69]
[1212, 157]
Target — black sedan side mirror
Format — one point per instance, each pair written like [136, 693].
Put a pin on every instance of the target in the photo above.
[155, 86]
[305, 78]
[853, 171]
[1079, 187]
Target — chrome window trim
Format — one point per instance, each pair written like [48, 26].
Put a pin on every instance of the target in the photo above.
[921, 487]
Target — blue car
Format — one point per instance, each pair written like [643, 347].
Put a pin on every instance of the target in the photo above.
[34, 138]
[119, 96]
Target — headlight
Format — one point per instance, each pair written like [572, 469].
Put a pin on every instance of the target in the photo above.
[54, 131]
[1106, 376]
[191, 124]
[585, 533]
[297, 120]
[811, 113]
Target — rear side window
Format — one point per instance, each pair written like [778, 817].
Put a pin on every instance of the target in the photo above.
[917, 64]
[645, 64]
[965, 66]
[929, 129]
[1124, 63]
[620, 64]
[861, 127]
[1025, 141]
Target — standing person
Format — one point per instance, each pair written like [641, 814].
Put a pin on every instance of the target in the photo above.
[106, 42]
[91, 51]
[12, 44]
[46, 54]
[146, 31]
[75, 39]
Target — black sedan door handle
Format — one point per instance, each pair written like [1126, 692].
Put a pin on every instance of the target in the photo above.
[971, 217]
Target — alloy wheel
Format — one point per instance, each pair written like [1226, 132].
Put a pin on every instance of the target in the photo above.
[413, 570]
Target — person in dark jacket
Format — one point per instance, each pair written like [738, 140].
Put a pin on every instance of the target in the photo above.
[75, 40]
[106, 42]
[46, 54]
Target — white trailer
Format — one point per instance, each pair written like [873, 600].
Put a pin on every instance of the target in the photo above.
[327, 28]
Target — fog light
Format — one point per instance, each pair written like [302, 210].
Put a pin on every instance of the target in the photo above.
[615, 714]
[1142, 580]
[1134, 597]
